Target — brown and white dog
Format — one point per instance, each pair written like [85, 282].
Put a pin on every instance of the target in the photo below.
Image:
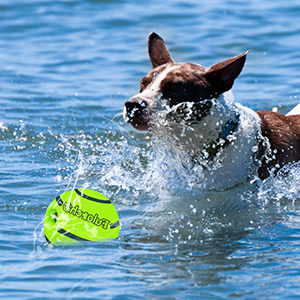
[194, 105]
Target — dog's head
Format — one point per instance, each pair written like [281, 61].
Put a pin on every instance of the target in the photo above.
[178, 82]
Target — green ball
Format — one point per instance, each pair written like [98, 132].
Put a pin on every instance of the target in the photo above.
[80, 215]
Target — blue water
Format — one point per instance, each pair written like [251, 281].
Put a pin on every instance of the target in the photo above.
[66, 69]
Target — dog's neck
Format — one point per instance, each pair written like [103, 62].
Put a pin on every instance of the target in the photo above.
[222, 144]
[198, 125]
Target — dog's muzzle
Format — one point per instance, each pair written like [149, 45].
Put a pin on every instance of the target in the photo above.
[137, 113]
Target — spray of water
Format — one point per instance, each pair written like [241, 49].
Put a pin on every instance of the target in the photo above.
[155, 180]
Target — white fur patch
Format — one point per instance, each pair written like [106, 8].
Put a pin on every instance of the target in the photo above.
[294, 111]
[153, 90]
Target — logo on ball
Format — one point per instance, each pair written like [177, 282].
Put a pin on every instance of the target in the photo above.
[84, 215]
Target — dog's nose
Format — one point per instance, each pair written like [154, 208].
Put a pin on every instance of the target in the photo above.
[136, 112]
[134, 105]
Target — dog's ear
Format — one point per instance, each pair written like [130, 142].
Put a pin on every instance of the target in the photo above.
[221, 76]
[158, 51]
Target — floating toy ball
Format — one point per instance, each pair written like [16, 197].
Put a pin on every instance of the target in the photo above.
[80, 215]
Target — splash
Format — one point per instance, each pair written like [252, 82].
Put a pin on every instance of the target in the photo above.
[213, 152]
[153, 180]
[284, 186]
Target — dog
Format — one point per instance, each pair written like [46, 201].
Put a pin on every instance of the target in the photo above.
[193, 106]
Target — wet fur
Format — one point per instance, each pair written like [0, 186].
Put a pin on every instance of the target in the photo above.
[283, 134]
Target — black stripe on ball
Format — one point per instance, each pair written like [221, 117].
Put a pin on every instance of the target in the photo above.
[114, 225]
[71, 235]
[91, 198]
[48, 241]
[59, 201]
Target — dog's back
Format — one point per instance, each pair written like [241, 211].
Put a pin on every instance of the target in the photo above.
[283, 134]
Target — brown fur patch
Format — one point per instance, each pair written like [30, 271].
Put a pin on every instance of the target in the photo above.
[186, 84]
[283, 133]
[150, 77]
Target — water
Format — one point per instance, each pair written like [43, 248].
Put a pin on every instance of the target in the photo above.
[66, 69]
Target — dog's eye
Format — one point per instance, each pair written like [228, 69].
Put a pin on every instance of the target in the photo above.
[144, 82]
[142, 87]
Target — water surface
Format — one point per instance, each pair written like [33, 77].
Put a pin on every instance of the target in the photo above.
[66, 69]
